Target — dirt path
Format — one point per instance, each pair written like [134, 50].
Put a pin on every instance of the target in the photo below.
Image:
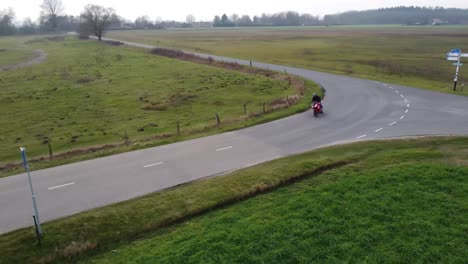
[38, 57]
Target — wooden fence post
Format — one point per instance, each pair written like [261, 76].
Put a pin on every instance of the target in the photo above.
[218, 121]
[126, 138]
[50, 150]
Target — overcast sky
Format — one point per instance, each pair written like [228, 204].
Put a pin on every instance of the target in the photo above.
[207, 9]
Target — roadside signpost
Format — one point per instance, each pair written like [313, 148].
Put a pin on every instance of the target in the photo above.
[456, 55]
[37, 222]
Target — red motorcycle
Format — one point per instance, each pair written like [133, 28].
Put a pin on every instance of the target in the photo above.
[318, 108]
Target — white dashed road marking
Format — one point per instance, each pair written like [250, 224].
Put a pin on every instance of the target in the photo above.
[391, 124]
[60, 186]
[221, 149]
[152, 165]
[380, 129]
[363, 136]
[402, 117]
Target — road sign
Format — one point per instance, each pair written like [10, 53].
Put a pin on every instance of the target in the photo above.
[463, 55]
[37, 222]
[456, 55]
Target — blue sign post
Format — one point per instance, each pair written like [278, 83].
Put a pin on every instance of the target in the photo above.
[37, 222]
[455, 55]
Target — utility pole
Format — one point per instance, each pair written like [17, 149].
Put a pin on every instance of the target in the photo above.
[37, 221]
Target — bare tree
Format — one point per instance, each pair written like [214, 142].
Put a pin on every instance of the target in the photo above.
[6, 22]
[97, 19]
[190, 19]
[143, 22]
[51, 9]
[234, 19]
[27, 27]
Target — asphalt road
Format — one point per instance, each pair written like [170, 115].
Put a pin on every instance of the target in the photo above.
[355, 109]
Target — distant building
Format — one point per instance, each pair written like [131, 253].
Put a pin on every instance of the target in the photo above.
[438, 21]
[202, 24]
[127, 26]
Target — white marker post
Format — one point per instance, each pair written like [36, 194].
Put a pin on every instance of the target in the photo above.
[456, 55]
[37, 222]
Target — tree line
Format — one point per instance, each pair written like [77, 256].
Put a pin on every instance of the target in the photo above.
[401, 15]
[396, 15]
[289, 18]
[51, 19]
[96, 19]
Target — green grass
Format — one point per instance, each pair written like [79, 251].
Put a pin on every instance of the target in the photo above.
[393, 201]
[14, 51]
[12, 42]
[413, 56]
[13, 56]
[89, 94]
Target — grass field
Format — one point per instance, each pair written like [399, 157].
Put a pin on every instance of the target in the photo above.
[13, 56]
[90, 94]
[413, 56]
[384, 201]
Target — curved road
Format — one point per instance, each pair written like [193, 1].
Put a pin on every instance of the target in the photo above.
[355, 109]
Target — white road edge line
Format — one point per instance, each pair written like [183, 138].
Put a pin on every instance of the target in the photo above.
[402, 96]
[221, 149]
[402, 117]
[392, 88]
[378, 130]
[60, 186]
[391, 124]
[154, 164]
[363, 136]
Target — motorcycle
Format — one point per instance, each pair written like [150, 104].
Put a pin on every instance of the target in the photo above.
[318, 108]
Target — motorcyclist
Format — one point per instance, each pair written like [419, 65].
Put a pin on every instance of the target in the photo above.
[316, 98]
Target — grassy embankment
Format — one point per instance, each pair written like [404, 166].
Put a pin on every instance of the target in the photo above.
[413, 56]
[395, 201]
[88, 95]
